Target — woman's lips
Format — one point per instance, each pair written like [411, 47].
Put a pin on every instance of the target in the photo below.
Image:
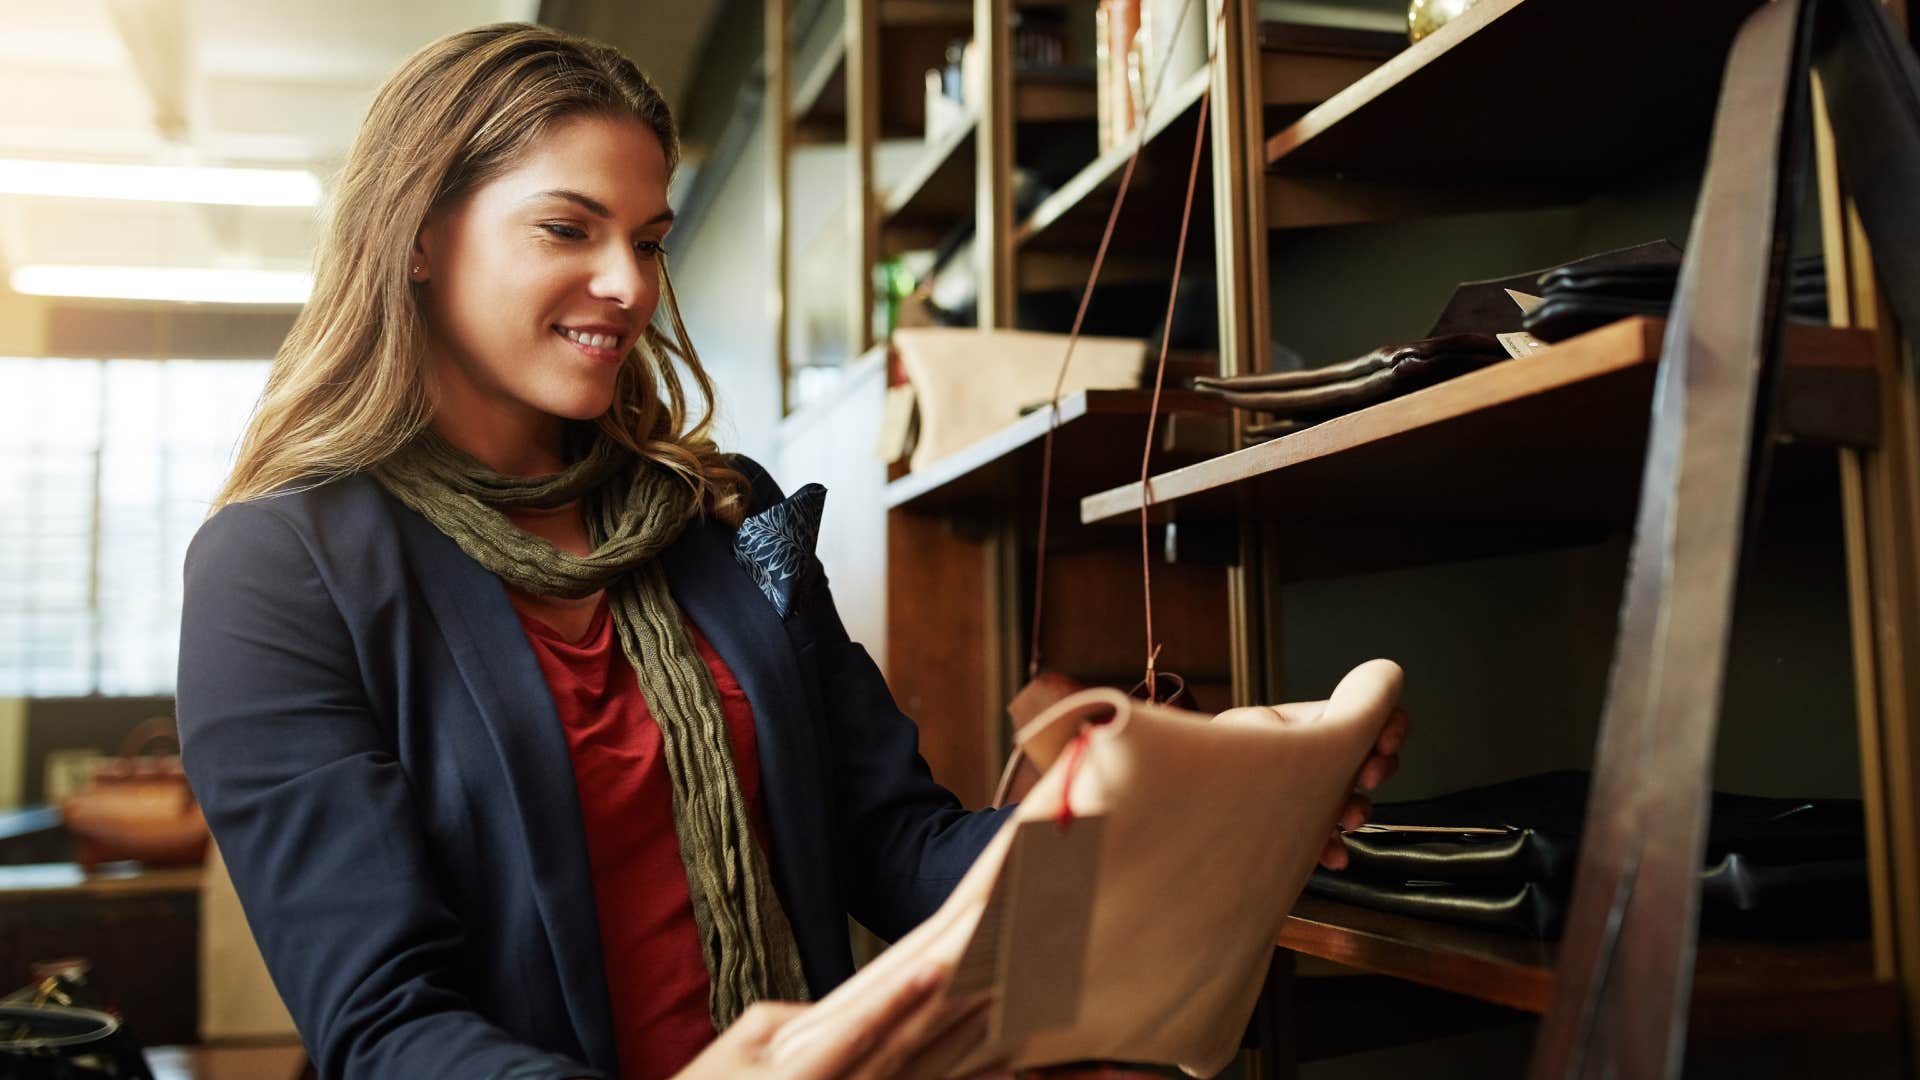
[604, 354]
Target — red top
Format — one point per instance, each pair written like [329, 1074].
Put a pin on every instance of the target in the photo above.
[656, 978]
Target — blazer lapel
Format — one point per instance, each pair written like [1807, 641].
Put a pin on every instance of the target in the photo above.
[498, 666]
[741, 623]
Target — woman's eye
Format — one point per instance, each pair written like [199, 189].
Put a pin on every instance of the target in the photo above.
[647, 248]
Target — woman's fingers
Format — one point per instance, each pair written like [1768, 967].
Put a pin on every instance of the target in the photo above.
[1299, 712]
[930, 1042]
[833, 1044]
[1385, 759]
[1333, 856]
[762, 1020]
[1393, 735]
[1358, 809]
[1376, 771]
[938, 1057]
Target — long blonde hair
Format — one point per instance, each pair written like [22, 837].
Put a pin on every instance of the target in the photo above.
[348, 387]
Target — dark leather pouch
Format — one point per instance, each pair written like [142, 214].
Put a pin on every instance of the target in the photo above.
[1824, 899]
[1376, 376]
[1525, 909]
[1579, 296]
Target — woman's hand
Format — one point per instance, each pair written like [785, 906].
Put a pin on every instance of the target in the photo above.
[1381, 764]
[909, 1031]
[1379, 767]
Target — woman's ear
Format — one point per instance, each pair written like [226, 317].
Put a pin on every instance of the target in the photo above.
[419, 266]
[419, 260]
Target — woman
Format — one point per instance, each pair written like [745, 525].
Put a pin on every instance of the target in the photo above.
[516, 770]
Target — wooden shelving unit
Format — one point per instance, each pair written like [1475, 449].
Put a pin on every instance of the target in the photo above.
[819, 106]
[915, 33]
[1495, 110]
[1498, 968]
[1513, 106]
[981, 478]
[1739, 982]
[939, 189]
[1507, 88]
[1555, 436]
[1158, 184]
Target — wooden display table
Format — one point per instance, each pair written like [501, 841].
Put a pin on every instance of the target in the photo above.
[140, 929]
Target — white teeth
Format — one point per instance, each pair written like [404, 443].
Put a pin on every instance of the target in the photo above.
[595, 341]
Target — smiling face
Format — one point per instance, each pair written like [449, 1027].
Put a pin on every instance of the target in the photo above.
[539, 281]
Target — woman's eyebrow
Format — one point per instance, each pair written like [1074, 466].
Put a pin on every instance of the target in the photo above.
[594, 206]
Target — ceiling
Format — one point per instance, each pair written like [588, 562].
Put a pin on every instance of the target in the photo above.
[237, 82]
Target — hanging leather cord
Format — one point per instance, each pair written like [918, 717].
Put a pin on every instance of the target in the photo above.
[1079, 319]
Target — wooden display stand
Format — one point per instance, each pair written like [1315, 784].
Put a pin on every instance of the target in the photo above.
[1516, 104]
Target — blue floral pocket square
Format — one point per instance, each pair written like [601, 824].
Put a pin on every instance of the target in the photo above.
[775, 546]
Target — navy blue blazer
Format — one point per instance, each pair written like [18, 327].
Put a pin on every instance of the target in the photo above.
[378, 756]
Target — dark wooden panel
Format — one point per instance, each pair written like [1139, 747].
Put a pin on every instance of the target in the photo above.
[1507, 90]
[1095, 630]
[1740, 986]
[942, 633]
[271, 1062]
[1497, 968]
[141, 931]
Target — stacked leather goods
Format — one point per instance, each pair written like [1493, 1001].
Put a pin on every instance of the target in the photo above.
[1579, 297]
[1299, 398]
[1551, 304]
[1502, 857]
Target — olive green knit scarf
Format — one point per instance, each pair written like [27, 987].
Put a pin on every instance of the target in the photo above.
[634, 509]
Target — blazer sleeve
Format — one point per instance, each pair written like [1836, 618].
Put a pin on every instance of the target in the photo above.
[316, 819]
[904, 840]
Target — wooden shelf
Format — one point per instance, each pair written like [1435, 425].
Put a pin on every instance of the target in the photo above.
[1498, 101]
[913, 38]
[820, 94]
[1738, 983]
[1159, 183]
[1556, 438]
[1500, 968]
[1098, 441]
[1056, 96]
[109, 879]
[954, 15]
[215, 1062]
[1306, 65]
[939, 188]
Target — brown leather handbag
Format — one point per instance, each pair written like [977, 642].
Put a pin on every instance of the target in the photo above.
[138, 806]
[1128, 909]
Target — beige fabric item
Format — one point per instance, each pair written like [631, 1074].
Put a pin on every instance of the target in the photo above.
[237, 997]
[1143, 931]
[971, 383]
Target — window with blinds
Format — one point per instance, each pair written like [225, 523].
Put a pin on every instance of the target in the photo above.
[107, 467]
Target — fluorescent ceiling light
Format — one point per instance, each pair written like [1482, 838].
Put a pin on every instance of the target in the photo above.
[192, 286]
[160, 183]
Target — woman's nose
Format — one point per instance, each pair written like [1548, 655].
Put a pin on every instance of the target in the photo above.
[625, 277]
